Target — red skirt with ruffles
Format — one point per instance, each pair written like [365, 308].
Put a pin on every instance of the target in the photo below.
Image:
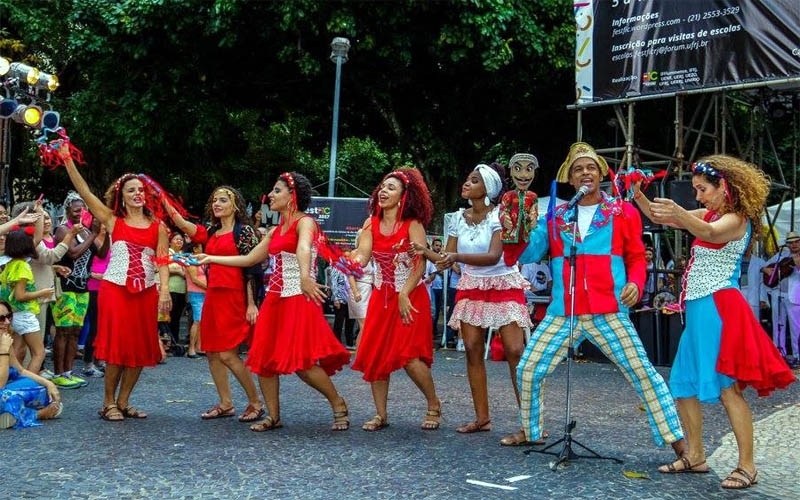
[127, 326]
[387, 344]
[292, 334]
[746, 352]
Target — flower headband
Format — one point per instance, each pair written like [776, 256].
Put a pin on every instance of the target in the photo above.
[701, 167]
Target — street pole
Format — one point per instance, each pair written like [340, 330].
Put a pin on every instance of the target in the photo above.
[339, 47]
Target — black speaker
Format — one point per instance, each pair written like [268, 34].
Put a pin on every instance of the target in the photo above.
[682, 193]
[653, 190]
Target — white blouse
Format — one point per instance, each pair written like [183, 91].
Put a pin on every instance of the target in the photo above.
[476, 238]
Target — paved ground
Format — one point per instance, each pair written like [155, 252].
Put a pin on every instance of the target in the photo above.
[173, 454]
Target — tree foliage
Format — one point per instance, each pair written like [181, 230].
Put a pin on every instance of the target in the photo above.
[197, 93]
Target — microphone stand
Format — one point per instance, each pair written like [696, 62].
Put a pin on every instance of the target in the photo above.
[566, 454]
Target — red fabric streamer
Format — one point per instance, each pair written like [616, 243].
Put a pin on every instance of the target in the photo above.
[334, 256]
[153, 199]
[48, 151]
[628, 177]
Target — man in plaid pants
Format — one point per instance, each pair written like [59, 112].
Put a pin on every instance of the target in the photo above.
[609, 276]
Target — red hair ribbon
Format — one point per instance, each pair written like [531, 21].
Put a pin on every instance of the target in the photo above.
[48, 151]
[289, 180]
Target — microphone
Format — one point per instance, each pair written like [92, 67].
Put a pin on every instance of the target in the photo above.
[583, 191]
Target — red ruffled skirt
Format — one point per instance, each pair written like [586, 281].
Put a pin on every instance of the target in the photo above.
[291, 335]
[746, 352]
[224, 325]
[386, 343]
[127, 326]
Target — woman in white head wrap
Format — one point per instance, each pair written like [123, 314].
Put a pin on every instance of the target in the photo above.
[490, 293]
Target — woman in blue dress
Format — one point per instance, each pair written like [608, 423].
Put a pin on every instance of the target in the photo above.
[25, 398]
[723, 348]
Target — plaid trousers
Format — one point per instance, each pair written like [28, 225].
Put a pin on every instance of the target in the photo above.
[615, 336]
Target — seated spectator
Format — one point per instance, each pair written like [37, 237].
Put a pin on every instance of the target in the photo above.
[25, 397]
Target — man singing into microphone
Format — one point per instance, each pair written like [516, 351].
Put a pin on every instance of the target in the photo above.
[609, 276]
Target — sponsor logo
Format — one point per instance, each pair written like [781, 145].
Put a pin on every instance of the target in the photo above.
[650, 76]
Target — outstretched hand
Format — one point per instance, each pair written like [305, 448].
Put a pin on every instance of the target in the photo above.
[665, 211]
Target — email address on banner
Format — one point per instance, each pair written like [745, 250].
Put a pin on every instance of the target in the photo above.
[644, 26]
[652, 51]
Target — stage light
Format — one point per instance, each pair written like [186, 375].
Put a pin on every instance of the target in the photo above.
[25, 73]
[30, 115]
[50, 120]
[7, 108]
[47, 81]
[5, 66]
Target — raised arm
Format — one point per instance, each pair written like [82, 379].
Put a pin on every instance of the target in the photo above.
[184, 225]
[644, 205]
[727, 228]
[97, 207]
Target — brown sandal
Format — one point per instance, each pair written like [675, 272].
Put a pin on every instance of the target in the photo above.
[429, 424]
[111, 413]
[132, 412]
[217, 412]
[740, 484]
[251, 414]
[341, 419]
[688, 467]
[376, 423]
[267, 424]
[475, 426]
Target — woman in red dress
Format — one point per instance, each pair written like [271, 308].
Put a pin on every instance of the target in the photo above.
[127, 341]
[398, 329]
[229, 310]
[291, 333]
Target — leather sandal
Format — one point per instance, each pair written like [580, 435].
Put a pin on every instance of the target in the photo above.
[739, 483]
[132, 412]
[341, 419]
[251, 414]
[267, 424]
[688, 467]
[376, 423]
[111, 413]
[217, 412]
[429, 424]
[475, 426]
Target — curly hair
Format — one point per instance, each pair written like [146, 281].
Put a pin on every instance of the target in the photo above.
[417, 204]
[239, 206]
[115, 201]
[748, 185]
[300, 186]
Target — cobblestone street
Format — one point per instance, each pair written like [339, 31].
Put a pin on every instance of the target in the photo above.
[174, 454]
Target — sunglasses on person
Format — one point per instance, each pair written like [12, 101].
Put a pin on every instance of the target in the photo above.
[6, 317]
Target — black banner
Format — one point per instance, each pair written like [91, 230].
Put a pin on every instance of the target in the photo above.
[339, 218]
[634, 48]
